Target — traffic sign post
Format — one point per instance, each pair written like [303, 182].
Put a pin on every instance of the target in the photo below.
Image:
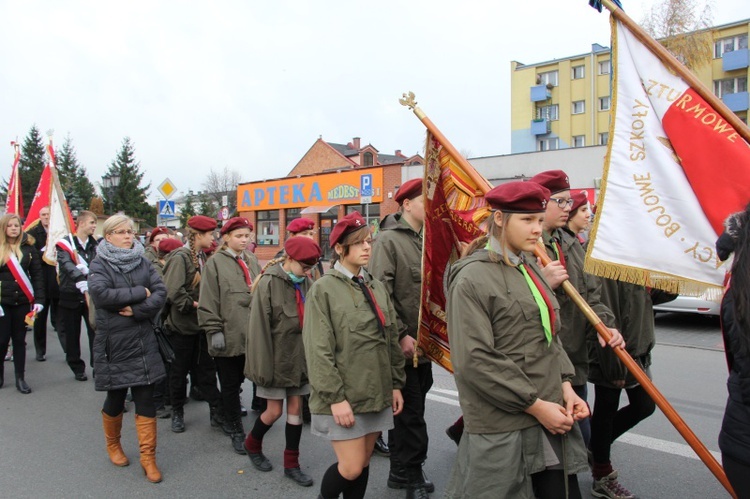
[167, 188]
[365, 194]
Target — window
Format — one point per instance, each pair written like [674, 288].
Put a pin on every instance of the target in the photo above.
[548, 78]
[579, 107]
[267, 233]
[603, 138]
[550, 113]
[605, 68]
[292, 214]
[578, 72]
[579, 140]
[546, 144]
[730, 44]
[367, 159]
[730, 86]
[605, 103]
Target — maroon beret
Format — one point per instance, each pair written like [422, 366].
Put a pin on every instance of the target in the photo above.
[156, 232]
[303, 249]
[235, 223]
[201, 223]
[579, 199]
[353, 221]
[518, 197]
[408, 190]
[300, 225]
[169, 244]
[554, 180]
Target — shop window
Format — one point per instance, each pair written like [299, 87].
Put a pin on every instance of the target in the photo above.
[267, 230]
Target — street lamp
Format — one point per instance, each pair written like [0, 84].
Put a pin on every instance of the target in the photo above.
[110, 184]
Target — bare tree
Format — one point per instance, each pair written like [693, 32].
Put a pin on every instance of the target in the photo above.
[683, 28]
[222, 183]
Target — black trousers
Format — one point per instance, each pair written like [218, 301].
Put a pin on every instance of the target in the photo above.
[231, 372]
[550, 484]
[40, 327]
[13, 328]
[608, 423]
[738, 474]
[191, 356]
[143, 397]
[408, 440]
[69, 320]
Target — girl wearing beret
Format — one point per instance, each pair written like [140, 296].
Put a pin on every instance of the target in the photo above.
[182, 276]
[276, 358]
[512, 374]
[354, 360]
[223, 313]
[579, 219]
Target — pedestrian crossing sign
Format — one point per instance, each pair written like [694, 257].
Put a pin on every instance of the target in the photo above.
[166, 208]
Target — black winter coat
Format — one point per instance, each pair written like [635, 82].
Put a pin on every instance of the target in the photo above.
[69, 275]
[734, 438]
[125, 349]
[11, 294]
[52, 288]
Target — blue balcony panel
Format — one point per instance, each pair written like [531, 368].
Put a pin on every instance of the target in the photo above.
[737, 59]
[540, 127]
[737, 102]
[540, 93]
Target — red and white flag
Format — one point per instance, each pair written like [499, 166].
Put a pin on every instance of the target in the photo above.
[14, 203]
[674, 170]
[60, 219]
[41, 198]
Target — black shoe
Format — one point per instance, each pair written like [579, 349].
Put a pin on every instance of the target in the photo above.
[243, 411]
[81, 377]
[260, 461]
[454, 434]
[298, 476]
[40, 357]
[417, 491]
[238, 437]
[398, 479]
[178, 420]
[22, 387]
[381, 447]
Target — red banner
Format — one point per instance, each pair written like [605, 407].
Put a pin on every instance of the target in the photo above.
[454, 210]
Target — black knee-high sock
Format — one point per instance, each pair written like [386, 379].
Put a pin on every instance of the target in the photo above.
[260, 429]
[333, 483]
[359, 487]
[293, 433]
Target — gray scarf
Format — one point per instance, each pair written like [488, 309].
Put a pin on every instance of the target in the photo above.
[123, 259]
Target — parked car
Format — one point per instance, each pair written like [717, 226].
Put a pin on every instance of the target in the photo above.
[690, 304]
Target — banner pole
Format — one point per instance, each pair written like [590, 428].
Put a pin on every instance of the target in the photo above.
[683, 72]
[687, 434]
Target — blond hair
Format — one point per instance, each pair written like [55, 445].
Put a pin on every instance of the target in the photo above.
[83, 215]
[115, 221]
[270, 264]
[194, 252]
[6, 247]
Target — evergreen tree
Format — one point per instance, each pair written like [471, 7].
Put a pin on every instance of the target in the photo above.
[31, 165]
[128, 196]
[73, 177]
[207, 206]
[188, 210]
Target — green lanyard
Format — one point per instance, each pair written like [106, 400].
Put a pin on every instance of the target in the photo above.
[543, 308]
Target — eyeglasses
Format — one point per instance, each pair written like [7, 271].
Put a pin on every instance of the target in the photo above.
[121, 232]
[562, 202]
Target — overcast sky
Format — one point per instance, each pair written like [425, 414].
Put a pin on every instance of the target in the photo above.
[251, 85]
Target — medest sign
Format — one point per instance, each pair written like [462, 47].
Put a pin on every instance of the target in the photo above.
[315, 190]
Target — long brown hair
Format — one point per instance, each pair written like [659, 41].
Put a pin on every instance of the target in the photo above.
[740, 283]
[270, 264]
[354, 237]
[6, 247]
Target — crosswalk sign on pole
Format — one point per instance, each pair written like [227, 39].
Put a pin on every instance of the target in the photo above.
[166, 208]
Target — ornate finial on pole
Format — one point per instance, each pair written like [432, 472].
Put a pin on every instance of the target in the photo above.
[408, 100]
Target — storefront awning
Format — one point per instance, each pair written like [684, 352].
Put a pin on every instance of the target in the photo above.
[316, 209]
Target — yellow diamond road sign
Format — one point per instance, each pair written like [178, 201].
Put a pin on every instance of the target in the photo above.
[167, 188]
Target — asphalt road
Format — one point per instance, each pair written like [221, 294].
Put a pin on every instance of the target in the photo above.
[51, 442]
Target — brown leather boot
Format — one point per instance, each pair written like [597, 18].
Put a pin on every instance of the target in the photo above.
[146, 429]
[112, 427]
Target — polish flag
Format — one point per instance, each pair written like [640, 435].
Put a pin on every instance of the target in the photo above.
[41, 198]
[14, 202]
[674, 170]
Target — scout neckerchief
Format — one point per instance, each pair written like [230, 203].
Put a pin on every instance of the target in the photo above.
[360, 281]
[245, 270]
[546, 311]
[300, 303]
[558, 250]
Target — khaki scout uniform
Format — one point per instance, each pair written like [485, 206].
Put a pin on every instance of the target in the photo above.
[348, 358]
[224, 303]
[275, 352]
[503, 364]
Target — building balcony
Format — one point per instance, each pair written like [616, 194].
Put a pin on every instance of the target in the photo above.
[737, 59]
[540, 126]
[737, 102]
[540, 93]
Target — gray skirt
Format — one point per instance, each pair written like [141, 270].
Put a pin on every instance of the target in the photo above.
[324, 426]
[281, 393]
